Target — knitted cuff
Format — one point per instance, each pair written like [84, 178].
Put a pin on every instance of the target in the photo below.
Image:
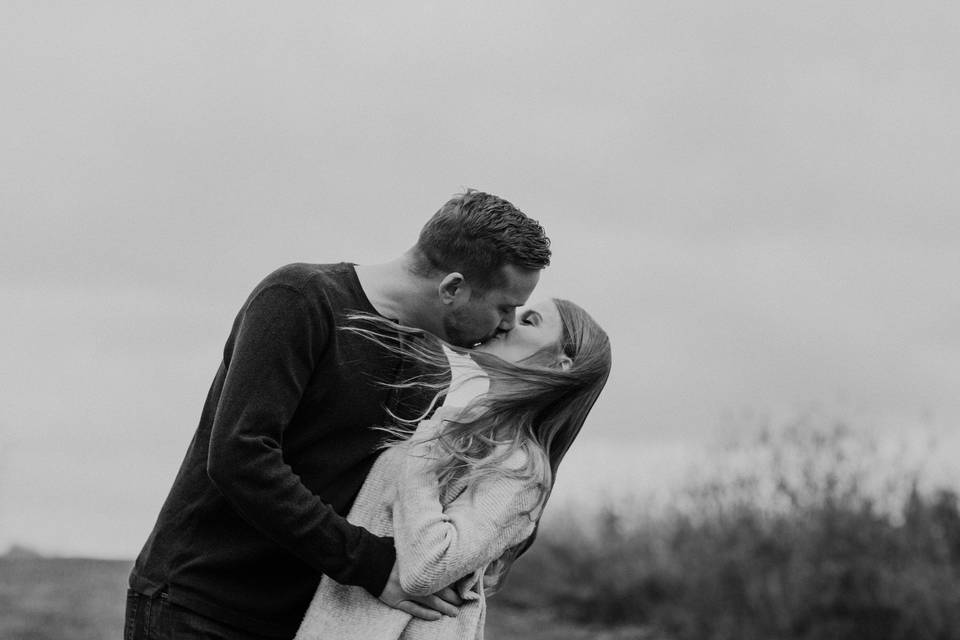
[380, 557]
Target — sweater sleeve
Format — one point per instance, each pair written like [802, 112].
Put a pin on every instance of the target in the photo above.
[438, 545]
[271, 362]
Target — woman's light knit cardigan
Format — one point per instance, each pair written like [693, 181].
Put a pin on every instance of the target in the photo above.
[440, 540]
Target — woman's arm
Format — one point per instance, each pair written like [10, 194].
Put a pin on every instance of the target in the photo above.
[437, 546]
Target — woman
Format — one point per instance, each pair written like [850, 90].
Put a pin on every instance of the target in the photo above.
[470, 484]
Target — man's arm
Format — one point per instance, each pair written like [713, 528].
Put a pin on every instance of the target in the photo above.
[271, 362]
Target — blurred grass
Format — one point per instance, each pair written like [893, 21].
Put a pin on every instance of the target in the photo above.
[53, 598]
[815, 537]
[812, 535]
[83, 599]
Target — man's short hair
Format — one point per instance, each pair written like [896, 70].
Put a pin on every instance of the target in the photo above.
[477, 234]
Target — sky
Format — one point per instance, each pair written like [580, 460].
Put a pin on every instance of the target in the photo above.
[758, 201]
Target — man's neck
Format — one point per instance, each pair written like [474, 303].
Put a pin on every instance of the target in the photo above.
[392, 290]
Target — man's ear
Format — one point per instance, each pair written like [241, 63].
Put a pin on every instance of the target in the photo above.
[452, 286]
[564, 362]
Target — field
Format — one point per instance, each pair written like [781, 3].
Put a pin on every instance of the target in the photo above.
[815, 539]
[47, 598]
[81, 599]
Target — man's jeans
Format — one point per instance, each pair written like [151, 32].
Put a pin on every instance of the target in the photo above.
[156, 618]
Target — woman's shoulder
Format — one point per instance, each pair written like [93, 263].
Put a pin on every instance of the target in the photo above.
[516, 459]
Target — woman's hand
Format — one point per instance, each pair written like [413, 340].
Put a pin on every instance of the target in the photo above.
[433, 607]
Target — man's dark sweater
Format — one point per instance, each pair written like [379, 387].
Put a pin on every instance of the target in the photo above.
[285, 440]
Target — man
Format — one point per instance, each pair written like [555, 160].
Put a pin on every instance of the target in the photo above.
[286, 437]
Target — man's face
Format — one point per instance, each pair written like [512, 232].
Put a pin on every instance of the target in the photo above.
[485, 314]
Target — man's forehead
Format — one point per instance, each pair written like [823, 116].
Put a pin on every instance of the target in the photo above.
[520, 283]
[511, 299]
[514, 294]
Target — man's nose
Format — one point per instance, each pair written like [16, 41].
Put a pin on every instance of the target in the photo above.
[508, 320]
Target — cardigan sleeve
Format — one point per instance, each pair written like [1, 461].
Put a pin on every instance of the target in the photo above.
[438, 545]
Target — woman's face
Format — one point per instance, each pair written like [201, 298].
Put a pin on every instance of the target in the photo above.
[538, 326]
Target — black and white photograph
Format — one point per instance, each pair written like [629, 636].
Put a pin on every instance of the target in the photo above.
[459, 320]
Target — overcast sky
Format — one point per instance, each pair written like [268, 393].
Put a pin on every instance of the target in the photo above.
[758, 200]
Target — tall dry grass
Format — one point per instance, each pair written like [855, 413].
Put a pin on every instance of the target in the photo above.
[812, 536]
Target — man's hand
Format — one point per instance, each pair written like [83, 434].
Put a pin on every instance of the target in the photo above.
[442, 603]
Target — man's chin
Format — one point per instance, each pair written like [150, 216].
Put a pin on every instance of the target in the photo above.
[464, 342]
[468, 343]
[488, 339]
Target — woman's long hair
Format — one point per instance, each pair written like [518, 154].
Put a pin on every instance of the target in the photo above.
[534, 405]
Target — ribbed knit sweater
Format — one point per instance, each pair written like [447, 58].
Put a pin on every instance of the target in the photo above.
[439, 539]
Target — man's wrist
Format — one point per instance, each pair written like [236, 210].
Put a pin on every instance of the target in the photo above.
[381, 556]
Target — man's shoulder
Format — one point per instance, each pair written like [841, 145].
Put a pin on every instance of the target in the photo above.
[314, 281]
[304, 276]
[325, 288]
